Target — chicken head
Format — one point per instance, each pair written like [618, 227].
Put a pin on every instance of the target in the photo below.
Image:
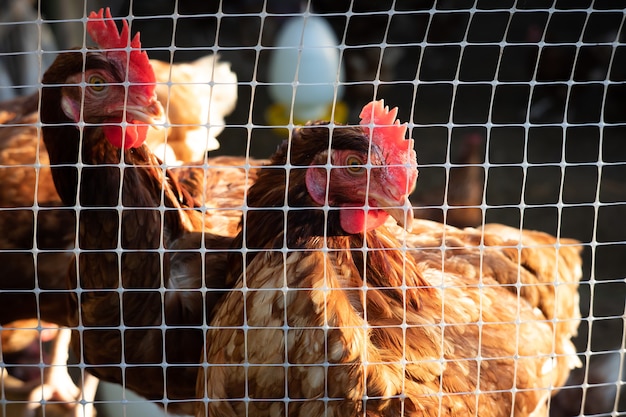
[371, 180]
[119, 91]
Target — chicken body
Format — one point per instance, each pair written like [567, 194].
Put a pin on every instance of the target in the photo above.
[219, 185]
[543, 271]
[377, 323]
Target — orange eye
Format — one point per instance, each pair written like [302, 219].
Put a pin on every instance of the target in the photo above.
[354, 164]
[96, 83]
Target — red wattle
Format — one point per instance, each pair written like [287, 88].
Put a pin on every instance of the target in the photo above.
[135, 135]
[356, 220]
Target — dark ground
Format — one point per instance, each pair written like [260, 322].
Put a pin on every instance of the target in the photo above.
[544, 88]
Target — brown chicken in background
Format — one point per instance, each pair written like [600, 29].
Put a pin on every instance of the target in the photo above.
[547, 277]
[441, 326]
[219, 186]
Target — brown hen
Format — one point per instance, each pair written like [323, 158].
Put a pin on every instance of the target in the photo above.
[337, 313]
[29, 201]
[219, 186]
[139, 232]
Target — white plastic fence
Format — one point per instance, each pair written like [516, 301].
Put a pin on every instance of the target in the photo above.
[523, 102]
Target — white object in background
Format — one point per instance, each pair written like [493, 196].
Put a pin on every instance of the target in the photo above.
[308, 54]
[114, 401]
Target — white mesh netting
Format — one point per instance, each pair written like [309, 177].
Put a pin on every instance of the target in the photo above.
[517, 109]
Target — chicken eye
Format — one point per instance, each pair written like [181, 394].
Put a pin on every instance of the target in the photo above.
[354, 164]
[96, 83]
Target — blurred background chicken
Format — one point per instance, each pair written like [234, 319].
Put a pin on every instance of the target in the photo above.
[147, 185]
[394, 332]
[196, 97]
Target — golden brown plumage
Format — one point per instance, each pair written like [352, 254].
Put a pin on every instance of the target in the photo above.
[345, 323]
[219, 185]
[542, 270]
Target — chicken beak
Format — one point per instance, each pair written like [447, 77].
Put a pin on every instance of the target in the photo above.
[402, 213]
[397, 206]
[151, 113]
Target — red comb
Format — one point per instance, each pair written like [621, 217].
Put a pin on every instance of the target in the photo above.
[389, 135]
[102, 29]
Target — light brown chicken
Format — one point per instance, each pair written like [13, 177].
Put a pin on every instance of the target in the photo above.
[540, 269]
[196, 96]
[336, 312]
